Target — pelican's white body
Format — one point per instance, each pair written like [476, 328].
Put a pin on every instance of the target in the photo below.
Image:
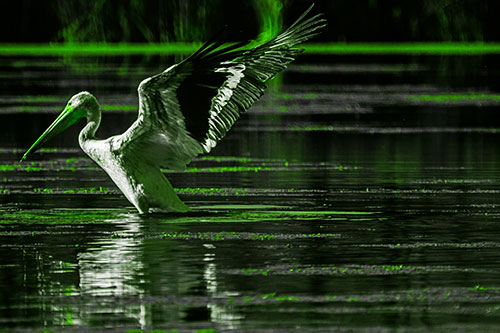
[143, 184]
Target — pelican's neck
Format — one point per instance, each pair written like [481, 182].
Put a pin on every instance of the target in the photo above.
[93, 122]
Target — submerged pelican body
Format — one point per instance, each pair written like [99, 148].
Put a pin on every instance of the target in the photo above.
[183, 112]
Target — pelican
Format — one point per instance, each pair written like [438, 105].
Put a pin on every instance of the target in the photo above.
[183, 112]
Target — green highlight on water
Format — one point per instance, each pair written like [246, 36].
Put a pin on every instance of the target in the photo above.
[93, 49]
[444, 48]
[455, 97]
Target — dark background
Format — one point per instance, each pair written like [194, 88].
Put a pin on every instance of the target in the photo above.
[143, 21]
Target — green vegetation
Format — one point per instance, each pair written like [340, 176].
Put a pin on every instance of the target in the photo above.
[237, 159]
[57, 216]
[445, 48]
[270, 18]
[90, 49]
[99, 189]
[199, 190]
[33, 166]
[365, 270]
[97, 49]
[119, 107]
[455, 97]
[43, 190]
[482, 288]
[335, 213]
[10, 167]
[48, 150]
[71, 164]
[272, 296]
[229, 169]
[267, 296]
[243, 207]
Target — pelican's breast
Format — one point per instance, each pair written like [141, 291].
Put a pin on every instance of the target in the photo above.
[143, 184]
[119, 169]
[100, 152]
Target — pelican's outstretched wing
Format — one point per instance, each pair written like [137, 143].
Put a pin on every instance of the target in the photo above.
[188, 108]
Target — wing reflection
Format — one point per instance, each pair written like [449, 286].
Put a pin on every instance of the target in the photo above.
[111, 268]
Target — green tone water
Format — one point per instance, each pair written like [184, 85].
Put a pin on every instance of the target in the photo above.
[361, 193]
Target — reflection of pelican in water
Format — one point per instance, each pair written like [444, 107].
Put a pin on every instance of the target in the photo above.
[183, 111]
[109, 274]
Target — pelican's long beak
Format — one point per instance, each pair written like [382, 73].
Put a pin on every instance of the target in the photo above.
[68, 117]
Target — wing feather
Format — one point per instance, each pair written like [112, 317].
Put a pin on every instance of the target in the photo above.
[189, 107]
[260, 65]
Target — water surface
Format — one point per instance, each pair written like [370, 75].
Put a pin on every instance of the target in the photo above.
[360, 193]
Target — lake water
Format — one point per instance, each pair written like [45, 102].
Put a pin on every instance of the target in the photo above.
[361, 193]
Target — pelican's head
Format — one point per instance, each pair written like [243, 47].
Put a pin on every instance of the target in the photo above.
[79, 106]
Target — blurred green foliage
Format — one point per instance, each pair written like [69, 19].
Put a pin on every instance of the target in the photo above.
[197, 20]
[147, 21]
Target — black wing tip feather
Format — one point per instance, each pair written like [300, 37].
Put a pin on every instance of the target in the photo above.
[214, 50]
[301, 16]
[261, 64]
[205, 48]
[301, 30]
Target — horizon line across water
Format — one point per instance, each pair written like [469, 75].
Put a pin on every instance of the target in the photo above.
[409, 48]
